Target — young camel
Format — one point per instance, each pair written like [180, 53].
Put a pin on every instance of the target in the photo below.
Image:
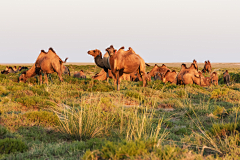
[46, 63]
[125, 62]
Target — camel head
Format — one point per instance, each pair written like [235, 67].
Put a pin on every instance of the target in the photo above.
[111, 50]
[95, 53]
[23, 77]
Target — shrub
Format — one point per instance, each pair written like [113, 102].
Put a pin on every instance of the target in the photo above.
[44, 118]
[10, 145]
[3, 131]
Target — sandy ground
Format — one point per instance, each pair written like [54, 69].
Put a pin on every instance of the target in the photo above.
[177, 65]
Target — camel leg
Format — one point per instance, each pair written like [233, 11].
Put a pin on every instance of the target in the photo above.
[106, 70]
[142, 75]
[46, 78]
[40, 78]
[117, 80]
[50, 77]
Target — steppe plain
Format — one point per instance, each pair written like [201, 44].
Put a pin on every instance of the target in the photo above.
[89, 119]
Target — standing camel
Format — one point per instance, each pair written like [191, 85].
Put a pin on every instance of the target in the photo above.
[125, 62]
[46, 63]
[102, 62]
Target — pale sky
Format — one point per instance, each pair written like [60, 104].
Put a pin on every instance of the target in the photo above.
[158, 30]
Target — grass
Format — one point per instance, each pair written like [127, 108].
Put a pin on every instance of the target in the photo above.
[89, 119]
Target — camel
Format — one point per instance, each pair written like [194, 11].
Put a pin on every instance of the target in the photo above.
[22, 68]
[203, 81]
[66, 70]
[125, 62]
[154, 70]
[46, 63]
[102, 62]
[80, 74]
[226, 77]
[214, 78]
[207, 67]
[170, 76]
[10, 70]
[187, 75]
[160, 71]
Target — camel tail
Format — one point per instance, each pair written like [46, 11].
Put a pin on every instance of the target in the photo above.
[65, 60]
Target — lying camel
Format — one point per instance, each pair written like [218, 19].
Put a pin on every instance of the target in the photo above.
[170, 76]
[102, 62]
[203, 81]
[154, 70]
[46, 63]
[187, 75]
[80, 74]
[214, 78]
[207, 67]
[102, 75]
[125, 62]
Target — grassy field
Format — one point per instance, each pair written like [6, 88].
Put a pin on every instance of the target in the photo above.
[89, 119]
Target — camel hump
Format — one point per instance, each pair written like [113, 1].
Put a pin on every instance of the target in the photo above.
[51, 49]
[43, 51]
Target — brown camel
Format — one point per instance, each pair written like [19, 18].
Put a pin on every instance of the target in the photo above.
[80, 74]
[187, 75]
[46, 63]
[125, 62]
[102, 62]
[154, 70]
[214, 78]
[170, 76]
[226, 77]
[203, 81]
[66, 70]
[207, 67]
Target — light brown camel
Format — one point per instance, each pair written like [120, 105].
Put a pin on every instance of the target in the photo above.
[154, 70]
[203, 81]
[170, 76]
[187, 75]
[46, 63]
[125, 62]
[214, 78]
[207, 67]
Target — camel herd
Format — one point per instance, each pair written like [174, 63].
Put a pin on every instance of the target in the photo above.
[120, 65]
[13, 69]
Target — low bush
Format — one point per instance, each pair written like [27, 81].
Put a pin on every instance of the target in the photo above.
[10, 145]
[3, 131]
[42, 118]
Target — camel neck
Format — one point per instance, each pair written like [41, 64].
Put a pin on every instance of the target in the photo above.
[99, 61]
[31, 72]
